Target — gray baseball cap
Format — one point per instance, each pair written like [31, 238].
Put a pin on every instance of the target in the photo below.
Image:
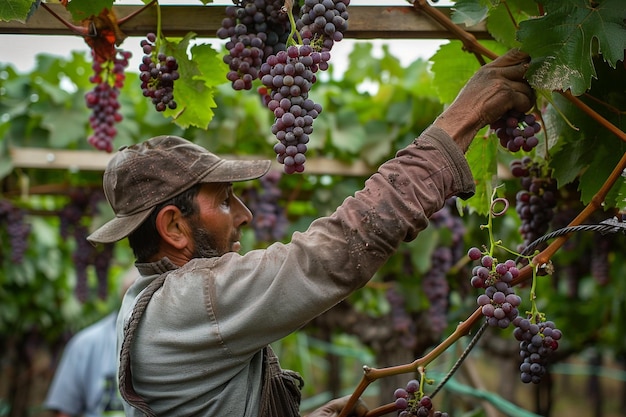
[141, 176]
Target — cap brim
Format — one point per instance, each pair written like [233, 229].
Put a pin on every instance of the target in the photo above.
[228, 170]
[118, 228]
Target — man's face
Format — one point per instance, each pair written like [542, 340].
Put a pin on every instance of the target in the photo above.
[216, 228]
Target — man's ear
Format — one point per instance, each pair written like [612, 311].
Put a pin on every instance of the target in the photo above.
[173, 227]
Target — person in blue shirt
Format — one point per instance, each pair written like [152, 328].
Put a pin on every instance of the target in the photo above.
[85, 381]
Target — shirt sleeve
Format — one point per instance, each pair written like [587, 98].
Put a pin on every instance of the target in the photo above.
[66, 393]
[260, 297]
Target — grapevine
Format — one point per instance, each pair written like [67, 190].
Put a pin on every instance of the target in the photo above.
[103, 99]
[411, 401]
[255, 29]
[85, 203]
[434, 281]
[536, 201]
[265, 42]
[158, 73]
[270, 218]
[289, 76]
[17, 231]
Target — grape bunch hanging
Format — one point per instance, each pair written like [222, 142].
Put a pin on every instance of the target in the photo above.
[103, 99]
[158, 72]
[410, 401]
[266, 43]
[103, 36]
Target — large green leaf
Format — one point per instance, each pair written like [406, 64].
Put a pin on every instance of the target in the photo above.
[469, 12]
[16, 9]
[562, 43]
[192, 90]
[481, 157]
[505, 17]
[82, 9]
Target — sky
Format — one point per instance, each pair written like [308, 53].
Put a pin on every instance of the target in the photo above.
[21, 50]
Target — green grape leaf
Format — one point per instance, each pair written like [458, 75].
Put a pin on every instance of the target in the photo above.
[563, 41]
[74, 117]
[18, 10]
[482, 159]
[605, 158]
[82, 9]
[469, 12]
[452, 69]
[505, 17]
[195, 100]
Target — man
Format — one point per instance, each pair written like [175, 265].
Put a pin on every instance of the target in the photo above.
[194, 329]
[85, 382]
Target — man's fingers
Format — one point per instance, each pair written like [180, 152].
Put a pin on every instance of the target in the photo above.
[511, 58]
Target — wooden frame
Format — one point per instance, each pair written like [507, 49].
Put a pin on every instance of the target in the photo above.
[366, 22]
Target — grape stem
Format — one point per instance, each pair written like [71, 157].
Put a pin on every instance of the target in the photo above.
[83, 31]
[294, 32]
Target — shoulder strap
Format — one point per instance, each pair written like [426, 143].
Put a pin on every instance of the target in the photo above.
[281, 393]
[125, 376]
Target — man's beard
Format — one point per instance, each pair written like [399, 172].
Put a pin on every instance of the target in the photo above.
[203, 243]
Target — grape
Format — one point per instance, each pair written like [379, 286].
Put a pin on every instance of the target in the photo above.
[538, 341]
[600, 265]
[400, 318]
[323, 21]
[103, 101]
[434, 281]
[411, 403]
[17, 230]
[83, 202]
[499, 303]
[270, 219]
[474, 253]
[255, 29]
[517, 131]
[288, 76]
[536, 201]
[158, 73]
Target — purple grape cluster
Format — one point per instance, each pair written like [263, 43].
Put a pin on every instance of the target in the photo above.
[536, 201]
[323, 21]
[17, 230]
[288, 77]
[157, 73]
[410, 403]
[85, 202]
[538, 341]
[401, 320]
[434, 281]
[270, 219]
[499, 302]
[103, 100]
[517, 131]
[255, 29]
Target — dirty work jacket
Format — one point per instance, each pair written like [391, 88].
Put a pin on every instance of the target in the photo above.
[198, 348]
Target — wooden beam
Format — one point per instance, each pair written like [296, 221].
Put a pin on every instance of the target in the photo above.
[365, 22]
[84, 160]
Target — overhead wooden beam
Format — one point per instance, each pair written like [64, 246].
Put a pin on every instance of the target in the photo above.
[365, 22]
[85, 160]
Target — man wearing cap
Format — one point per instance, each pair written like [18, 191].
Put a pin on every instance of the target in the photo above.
[195, 328]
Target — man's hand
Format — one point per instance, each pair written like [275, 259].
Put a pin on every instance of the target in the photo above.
[495, 89]
[334, 407]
